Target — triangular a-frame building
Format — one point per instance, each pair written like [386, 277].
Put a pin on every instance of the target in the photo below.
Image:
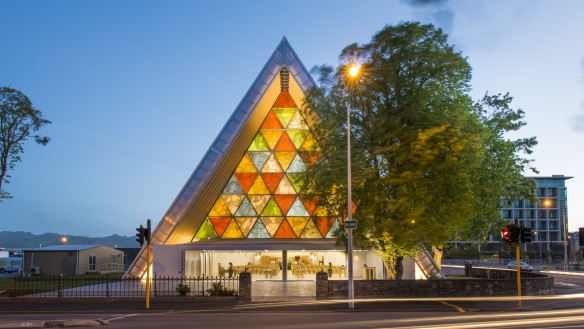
[245, 201]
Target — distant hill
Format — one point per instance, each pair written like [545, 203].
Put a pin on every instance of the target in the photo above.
[19, 240]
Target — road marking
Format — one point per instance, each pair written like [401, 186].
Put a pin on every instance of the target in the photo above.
[122, 317]
[458, 308]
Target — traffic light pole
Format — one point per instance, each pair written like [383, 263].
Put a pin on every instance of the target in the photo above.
[148, 262]
[518, 266]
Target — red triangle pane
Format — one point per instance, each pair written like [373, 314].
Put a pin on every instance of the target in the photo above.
[309, 202]
[285, 144]
[324, 224]
[285, 201]
[246, 180]
[285, 231]
[284, 100]
[272, 180]
[220, 224]
[272, 122]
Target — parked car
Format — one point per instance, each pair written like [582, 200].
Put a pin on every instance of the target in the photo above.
[9, 268]
[522, 265]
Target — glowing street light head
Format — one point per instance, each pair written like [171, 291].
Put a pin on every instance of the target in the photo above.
[353, 70]
[547, 203]
[64, 239]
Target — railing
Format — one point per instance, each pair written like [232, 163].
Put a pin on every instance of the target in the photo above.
[113, 286]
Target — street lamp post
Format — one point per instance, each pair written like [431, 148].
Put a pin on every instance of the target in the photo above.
[353, 71]
[565, 233]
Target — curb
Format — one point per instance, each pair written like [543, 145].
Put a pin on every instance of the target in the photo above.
[54, 324]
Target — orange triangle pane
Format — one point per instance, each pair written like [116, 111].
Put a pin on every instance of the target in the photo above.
[272, 122]
[285, 158]
[259, 187]
[259, 202]
[309, 202]
[220, 224]
[310, 157]
[284, 100]
[285, 201]
[232, 231]
[285, 144]
[285, 231]
[246, 165]
[324, 224]
[246, 180]
[272, 180]
[272, 137]
[297, 224]
[272, 165]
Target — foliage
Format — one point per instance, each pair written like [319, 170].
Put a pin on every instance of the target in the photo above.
[183, 289]
[18, 120]
[468, 251]
[423, 153]
[217, 289]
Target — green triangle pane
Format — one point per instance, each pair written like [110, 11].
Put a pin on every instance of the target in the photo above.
[297, 180]
[297, 137]
[259, 144]
[258, 231]
[272, 209]
[284, 115]
[206, 231]
[245, 209]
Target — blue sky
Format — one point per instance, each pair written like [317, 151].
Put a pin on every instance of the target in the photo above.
[138, 90]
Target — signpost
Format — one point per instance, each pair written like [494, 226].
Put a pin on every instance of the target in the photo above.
[350, 224]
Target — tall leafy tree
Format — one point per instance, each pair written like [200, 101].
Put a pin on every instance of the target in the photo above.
[19, 120]
[420, 144]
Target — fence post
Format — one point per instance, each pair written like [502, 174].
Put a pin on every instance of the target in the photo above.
[245, 285]
[321, 285]
[59, 293]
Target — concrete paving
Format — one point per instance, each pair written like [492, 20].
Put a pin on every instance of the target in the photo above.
[278, 291]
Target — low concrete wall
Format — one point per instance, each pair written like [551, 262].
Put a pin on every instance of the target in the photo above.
[505, 284]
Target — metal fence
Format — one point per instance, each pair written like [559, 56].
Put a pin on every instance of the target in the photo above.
[113, 286]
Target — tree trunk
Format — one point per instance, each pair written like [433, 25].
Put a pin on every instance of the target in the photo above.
[438, 252]
[394, 267]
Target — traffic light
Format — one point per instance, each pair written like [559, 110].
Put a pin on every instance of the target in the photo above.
[510, 233]
[506, 234]
[141, 235]
[525, 234]
[581, 236]
[147, 231]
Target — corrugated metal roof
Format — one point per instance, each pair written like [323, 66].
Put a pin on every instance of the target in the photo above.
[64, 247]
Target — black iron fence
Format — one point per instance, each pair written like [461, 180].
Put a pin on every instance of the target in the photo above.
[114, 286]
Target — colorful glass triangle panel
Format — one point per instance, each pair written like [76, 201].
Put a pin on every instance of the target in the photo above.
[334, 228]
[232, 201]
[285, 115]
[284, 100]
[309, 202]
[297, 122]
[285, 144]
[285, 187]
[259, 143]
[206, 231]
[272, 137]
[285, 201]
[310, 157]
[246, 165]
[246, 180]
[258, 159]
[309, 144]
[220, 224]
[220, 209]
[233, 186]
[259, 201]
[272, 224]
[272, 122]
[285, 158]
[272, 180]
[272, 209]
[297, 165]
[324, 224]
[259, 187]
[323, 210]
[310, 231]
[245, 209]
[285, 231]
[246, 224]
[297, 223]
[272, 165]
[298, 209]
[259, 231]
[297, 137]
[297, 180]
[232, 231]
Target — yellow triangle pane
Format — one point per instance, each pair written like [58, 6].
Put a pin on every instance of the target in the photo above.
[272, 224]
[232, 232]
[219, 209]
[285, 158]
[285, 187]
[310, 231]
[297, 223]
[259, 202]
[259, 143]
[246, 165]
[272, 137]
[272, 165]
[310, 144]
[259, 187]
[232, 201]
[285, 115]
[245, 224]
[297, 122]
[298, 136]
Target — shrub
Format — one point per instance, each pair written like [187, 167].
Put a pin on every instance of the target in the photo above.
[217, 289]
[183, 289]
